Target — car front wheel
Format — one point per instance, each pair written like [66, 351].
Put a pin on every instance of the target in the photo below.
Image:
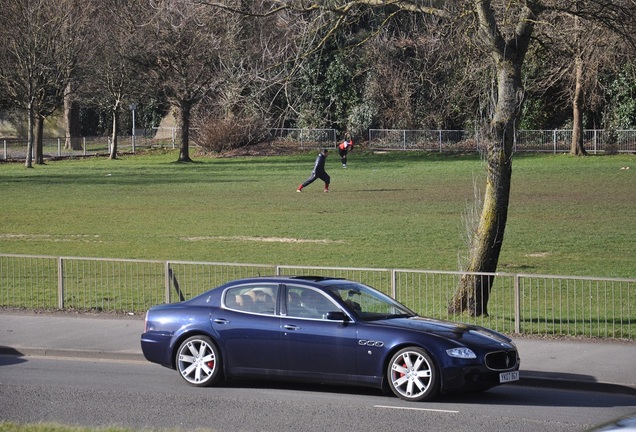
[412, 375]
[198, 361]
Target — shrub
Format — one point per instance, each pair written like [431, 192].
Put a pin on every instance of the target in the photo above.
[611, 142]
[223, 134]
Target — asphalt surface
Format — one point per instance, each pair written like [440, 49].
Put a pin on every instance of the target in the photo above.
[577, 364]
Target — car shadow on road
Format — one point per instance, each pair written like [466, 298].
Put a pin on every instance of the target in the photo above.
[10, 356]
[505, 395]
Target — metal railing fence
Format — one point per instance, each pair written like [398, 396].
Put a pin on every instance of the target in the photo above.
[428, 140]
[549, 141]
[15, 149]
[308, 138]
[518, 303]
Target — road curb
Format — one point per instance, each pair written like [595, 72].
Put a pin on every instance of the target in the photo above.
[536, 380]
[526, 379]
[71, 353]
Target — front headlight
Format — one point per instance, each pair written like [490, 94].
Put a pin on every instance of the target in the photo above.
[464, 353]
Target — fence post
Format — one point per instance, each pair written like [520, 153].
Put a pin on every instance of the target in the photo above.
[60, 283]
[167, 281]
[517, 305]
[5, 149]
[393, 283]
[595, 141]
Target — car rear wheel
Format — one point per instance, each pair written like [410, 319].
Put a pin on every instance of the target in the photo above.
[412, 375]
[198, 361]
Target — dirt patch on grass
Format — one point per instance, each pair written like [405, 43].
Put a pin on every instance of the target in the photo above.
[538, 255]
[52, 238]
[262, 239]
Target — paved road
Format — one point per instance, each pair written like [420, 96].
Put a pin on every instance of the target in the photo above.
[571, 364]
[143, 396]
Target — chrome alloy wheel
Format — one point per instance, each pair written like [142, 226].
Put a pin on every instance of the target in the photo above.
[198, 361]
[412, 375]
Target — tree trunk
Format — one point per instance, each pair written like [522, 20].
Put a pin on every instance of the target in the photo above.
[473, 292]
[184, 152]
[28, 160]
[38, 140]
[71, 121]
[507, 57]
[113, 144]
[577, 148]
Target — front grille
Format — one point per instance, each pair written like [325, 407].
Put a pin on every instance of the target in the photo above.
[501, 360]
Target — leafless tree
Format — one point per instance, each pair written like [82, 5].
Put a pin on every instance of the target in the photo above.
[41, 46]
[254, 70]
[113, 79]
[581, 50]
[420, 75]
[183, 42]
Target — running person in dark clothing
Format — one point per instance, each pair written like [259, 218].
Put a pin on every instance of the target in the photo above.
[318, 172]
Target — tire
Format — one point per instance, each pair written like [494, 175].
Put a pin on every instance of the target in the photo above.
[199, 362]
[412, 375]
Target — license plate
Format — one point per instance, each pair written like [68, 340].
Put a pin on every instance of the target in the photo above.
[505, 377]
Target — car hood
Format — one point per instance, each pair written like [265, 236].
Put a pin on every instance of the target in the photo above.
[467, 334]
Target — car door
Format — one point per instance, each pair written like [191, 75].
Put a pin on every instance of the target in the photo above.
[314, 346]
[249, 329]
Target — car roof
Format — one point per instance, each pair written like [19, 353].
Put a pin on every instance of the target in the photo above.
[279, 278]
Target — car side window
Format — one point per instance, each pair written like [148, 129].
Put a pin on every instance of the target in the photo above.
[308, 303]
[259, 299]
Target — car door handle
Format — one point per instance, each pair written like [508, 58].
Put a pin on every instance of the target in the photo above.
[221, 321]
[291, 327]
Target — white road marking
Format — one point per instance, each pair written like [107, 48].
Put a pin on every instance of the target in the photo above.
[415, 409]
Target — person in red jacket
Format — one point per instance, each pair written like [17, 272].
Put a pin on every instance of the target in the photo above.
[318, 172]
[344, 148]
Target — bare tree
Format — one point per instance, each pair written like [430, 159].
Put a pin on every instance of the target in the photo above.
[42, 42]
[183, 42]
[580, 51]
[114, 79]
[255, 76]
[420, 74]
[504, 34]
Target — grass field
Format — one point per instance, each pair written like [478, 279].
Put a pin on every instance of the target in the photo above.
[567, 216]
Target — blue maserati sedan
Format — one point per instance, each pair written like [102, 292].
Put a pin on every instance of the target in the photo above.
[323, 330]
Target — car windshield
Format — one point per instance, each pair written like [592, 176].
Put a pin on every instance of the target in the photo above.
[368, 303]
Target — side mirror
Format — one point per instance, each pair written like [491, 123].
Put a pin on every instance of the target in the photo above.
[336, 316]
